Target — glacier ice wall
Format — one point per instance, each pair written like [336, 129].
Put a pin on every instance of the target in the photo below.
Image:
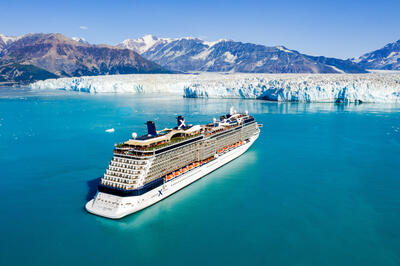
[303, 87]
[132, 84]
[373, 87]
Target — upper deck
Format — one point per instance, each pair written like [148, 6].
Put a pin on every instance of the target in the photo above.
[156, 141]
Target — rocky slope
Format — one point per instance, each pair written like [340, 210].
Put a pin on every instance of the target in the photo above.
[193, 54]
[40, 56]
[386, 58]
[6, 40]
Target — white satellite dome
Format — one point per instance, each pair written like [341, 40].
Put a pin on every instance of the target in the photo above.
[134, 135]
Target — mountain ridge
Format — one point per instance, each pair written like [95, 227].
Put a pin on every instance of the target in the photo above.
[35, 56]
[194, 54]
[385, 58]
[65, 57]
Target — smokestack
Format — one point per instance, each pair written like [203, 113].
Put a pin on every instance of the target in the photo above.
[180, 121]
[151, 128]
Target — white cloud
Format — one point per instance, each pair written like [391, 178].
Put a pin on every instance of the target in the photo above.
[83, 27]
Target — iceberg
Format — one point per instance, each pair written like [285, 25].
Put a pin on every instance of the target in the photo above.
[372, 87]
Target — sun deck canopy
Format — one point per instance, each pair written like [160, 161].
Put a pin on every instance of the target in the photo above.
[146, 141]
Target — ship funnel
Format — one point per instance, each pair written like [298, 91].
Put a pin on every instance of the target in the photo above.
[181, 122]
[151, 128]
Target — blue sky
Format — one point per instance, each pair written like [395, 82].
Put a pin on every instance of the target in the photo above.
[332, 28]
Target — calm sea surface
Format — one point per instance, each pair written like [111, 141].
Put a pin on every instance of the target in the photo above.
[321, 186]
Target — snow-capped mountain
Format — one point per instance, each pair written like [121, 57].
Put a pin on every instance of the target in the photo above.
[275, 87]
[79, 39]
[386, 58]
[6, 40]
[143, 44]
[194, 54]
[41, 56]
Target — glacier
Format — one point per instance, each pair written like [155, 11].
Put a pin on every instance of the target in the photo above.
[132, 84]
[372, 87]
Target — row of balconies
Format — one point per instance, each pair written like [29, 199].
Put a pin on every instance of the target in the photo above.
[130, 161]
[125, 170]
[166, 167]
[125, 165]
[120, 179]
[117, 184]
[118, 174]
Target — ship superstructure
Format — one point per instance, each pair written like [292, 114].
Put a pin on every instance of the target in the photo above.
[146, 169]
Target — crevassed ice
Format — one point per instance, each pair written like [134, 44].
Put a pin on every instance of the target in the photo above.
[373, 87]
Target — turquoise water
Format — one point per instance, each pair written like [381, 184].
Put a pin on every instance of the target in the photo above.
[319, 187]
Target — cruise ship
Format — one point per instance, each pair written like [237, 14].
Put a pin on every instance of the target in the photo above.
[149, 168]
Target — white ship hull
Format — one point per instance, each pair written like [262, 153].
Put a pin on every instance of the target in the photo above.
[116, 207]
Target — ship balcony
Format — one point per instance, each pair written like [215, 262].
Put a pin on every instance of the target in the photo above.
[123, 175]
[132, 152]
[117, 185]
[130, 161]
[125, 170]
[120, 179]
[124, 165]
[118, 174]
